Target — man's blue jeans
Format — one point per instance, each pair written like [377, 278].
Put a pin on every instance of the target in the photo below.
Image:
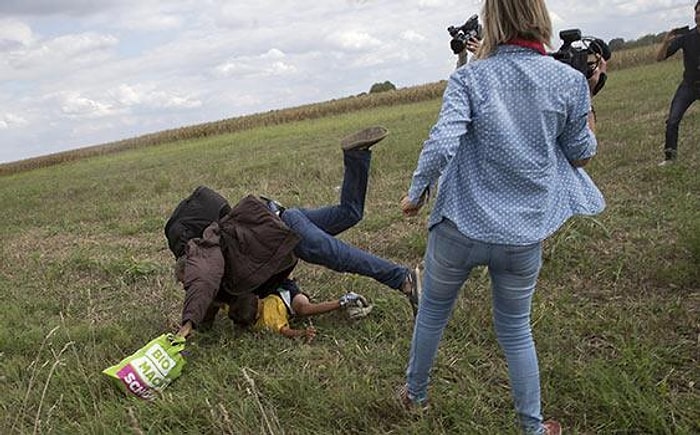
[318, 226]
[685, 96]
[449, 258]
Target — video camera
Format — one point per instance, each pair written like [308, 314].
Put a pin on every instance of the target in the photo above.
[576, 51]
[465, 32]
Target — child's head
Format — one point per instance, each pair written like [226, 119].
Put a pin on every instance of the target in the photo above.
[244, 310]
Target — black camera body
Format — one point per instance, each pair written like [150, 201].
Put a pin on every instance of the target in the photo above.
[576, 50]
[465, 32]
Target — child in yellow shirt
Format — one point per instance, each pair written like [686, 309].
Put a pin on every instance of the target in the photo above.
[273, 311]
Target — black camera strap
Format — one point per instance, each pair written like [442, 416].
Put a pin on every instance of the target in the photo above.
[602, 78]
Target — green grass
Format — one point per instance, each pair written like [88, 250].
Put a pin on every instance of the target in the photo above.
[86, 276]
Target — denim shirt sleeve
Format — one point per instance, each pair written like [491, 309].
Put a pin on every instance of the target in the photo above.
[577, 141]
[444, 137]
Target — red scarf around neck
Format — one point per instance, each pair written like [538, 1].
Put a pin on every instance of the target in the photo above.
[528, 43]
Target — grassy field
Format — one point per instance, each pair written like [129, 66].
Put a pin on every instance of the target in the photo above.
[87, 280]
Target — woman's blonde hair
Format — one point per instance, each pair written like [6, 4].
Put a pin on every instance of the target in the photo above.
[508, 19]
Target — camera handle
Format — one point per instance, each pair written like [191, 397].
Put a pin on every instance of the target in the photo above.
[602, 78]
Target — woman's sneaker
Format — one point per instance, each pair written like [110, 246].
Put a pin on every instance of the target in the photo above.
[552, 427]
[408, 404]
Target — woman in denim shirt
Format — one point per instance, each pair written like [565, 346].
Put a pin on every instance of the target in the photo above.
[506, 152]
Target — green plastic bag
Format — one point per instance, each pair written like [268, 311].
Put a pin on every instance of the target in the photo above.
[150, 369]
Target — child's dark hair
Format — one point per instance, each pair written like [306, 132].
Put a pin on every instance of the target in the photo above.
[243, 310]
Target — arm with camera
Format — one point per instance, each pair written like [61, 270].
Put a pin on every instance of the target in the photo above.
[668, 48]
[465, 39]
[588, 55]
[471, 46]
[598, 74]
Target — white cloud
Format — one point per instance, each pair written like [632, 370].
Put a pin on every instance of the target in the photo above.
[57, 54]
[155, 21]
[355, 40]
[171, 100]
[281, 68]
[270, 63]
[75, 105]
[429, 3]
[9, 120]
[14, 33]
[412, 36]
[52, 7]
[148, 96]
[232, 68]
[274, 54]
[126, 95]
[79, 44]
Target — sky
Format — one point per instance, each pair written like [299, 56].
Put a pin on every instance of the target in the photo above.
[76, 73]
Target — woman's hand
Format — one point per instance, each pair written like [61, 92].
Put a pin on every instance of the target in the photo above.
[408, 208]
[473, 45]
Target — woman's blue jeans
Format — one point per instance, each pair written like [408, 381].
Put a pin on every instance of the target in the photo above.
[449, 259]
[317, 228]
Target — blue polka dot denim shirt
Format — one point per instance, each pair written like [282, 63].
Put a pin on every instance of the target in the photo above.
[501, 149]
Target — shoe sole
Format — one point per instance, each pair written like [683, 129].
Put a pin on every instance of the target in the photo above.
[364, 139]
[416, 291]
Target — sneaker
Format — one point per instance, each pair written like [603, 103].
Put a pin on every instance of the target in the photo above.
[412, 288]
[363, 139]
[409, 404]
[552, 427]
[670, 153]
[667, 162]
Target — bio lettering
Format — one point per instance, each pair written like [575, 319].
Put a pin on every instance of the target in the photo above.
[160, 359]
